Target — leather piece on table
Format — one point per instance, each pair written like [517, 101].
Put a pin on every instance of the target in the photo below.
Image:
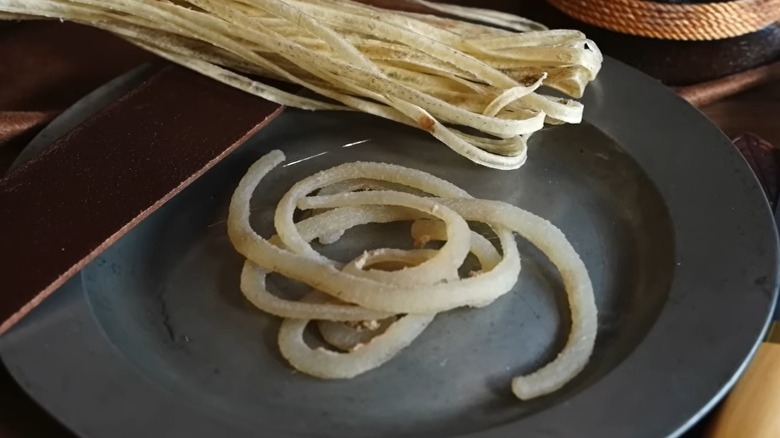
[708, 92]
[47, 66]
[60, 210]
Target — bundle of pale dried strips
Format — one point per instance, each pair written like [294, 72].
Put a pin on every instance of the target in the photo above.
[473, 87]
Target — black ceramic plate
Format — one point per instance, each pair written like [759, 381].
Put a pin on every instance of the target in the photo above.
[154, 337]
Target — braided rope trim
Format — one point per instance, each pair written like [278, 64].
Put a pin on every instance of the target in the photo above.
[703, 21]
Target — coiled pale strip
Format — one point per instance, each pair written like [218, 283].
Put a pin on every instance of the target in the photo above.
[552, 242]
[363, 184]
[450, 256]
[407, 257]
[363, 291]
[253, 286]
[327, 364]
[364, 357]
[345, 337]
[538, 231]
[584, 314]
[336, 221]
[339, 220]
[253, 277]
[355, 185]
[283, 216]
[425, 229]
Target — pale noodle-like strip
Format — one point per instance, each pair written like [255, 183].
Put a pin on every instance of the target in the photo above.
[429, 72]
[364, 291]
[551, 241]
[436, 293]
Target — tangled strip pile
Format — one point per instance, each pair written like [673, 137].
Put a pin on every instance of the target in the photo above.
[372, 314]
[474, 87]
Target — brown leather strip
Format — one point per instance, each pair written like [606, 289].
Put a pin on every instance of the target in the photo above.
[90, 187]
[48, 65]
[705, 93]
[14, 123]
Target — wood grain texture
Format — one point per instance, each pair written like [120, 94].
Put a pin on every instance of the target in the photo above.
[756, 110]
[751, 410]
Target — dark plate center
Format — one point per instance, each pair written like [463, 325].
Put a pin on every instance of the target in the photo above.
[167, 294]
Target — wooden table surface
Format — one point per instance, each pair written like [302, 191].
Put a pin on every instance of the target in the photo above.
[756, 111]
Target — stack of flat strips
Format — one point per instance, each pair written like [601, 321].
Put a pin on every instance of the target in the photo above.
[474, 87]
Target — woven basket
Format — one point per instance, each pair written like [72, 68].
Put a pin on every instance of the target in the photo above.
[680, 42]
[674, 20]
